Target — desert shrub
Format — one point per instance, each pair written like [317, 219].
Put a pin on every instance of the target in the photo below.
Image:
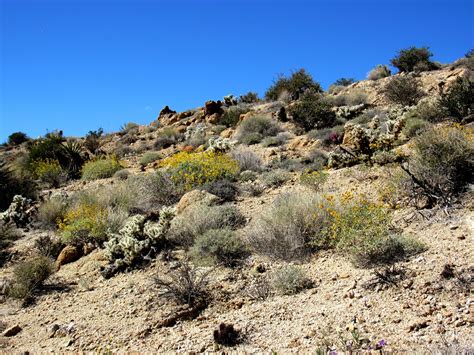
[49, 247]
[383, 157]
[92, 141]
[195, 169]
[354, 97]
[198, 219]
[231, 116]
[149, 157]
[283, 164]
[248, 175]
[12, 184]
[403, 90]
[276, 141]
[296, 85]
[50, 173]
[413, 58]
[225, 189]
[313, 179]
[101, 168]
[246, 159]
[458, 100]
[122, 174]
[379, 72]
[275, 178]
[129, 127]
[167, 137]
[249, 98]
[290, 280]
[414, 126]
[252, 189]
[255, 128]
[186, 285]
[29, 276]
[122, 150]
[312, 111]
[428, 109]
[316, 160]
[291, 228]
[8, 234]
[328, 136]
[219, 246]
[344, 81]
[17, 138]
[362, 230]
[51, 211]
[442, 163]
[154, 190]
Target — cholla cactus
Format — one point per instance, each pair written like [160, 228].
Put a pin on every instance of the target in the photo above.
[18, 212]
[192, 131]
[136, 238]
[219, 144]
[230, 100]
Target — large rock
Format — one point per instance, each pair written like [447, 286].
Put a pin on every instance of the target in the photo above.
[193, 197]
[69, 254]
[212, 107]
[12, 331]
[166, 111]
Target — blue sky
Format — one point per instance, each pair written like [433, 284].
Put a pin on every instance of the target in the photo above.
[80, 65]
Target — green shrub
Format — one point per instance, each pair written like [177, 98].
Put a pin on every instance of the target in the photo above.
[51, 211]
[219, 246]
[198, 219]
[12, 184]
[316, 160]
[313, 111]
[296, 85]
[413, 58]
[414, 126]
[291, 228]
[276, 141]
[167, 137]
[30, 276]
[129, 127]
[383, 157]
[362, 230]
[282, 164]
[428, 109]
[255, 128]
[403, 90]
[442, 164]
[275, 178]
[225, 189]
[458, 100]
[8, 234]
[17, 138]
[231, 116]
[149, 157]
[92, 141]
[50, 173]
[49, 247]
[352, 98]
[379, 72]
[122, 174]
[290, 280]
[249, 98]
[100, 169]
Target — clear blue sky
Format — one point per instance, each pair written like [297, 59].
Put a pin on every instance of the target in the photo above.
[81, 65]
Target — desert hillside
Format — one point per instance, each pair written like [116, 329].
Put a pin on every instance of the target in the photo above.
[306, 221]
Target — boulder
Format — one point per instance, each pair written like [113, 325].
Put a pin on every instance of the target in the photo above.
[194, 197]
[211, 107]
[166, 111]
[69, 254]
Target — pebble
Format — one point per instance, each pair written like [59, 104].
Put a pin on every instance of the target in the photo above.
[12, 331]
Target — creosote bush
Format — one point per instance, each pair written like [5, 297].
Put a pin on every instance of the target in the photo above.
[101, 168]
[16, 138]
[29, 276]
[219, 246]
[51, 211]
[312, 111]
[275, 178]
[149, 157]
[296, 85]
[404, 90]
[195, 169]
[255, 128]
[225, 189]
[13, 183]
[458, 100]
[247, 159]
[231, 116]
[50, 173]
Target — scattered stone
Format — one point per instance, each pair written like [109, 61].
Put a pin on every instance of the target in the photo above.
[12, 331]
[69, 254]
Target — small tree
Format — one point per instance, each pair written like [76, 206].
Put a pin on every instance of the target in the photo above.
[413, 58]
[344, 81]
[17, 138]
[299, 82]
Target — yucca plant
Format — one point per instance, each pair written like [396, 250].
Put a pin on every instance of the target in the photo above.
[74, 152]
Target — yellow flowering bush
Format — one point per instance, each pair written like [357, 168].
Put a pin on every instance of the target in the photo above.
[50, 172]
[194, 169]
